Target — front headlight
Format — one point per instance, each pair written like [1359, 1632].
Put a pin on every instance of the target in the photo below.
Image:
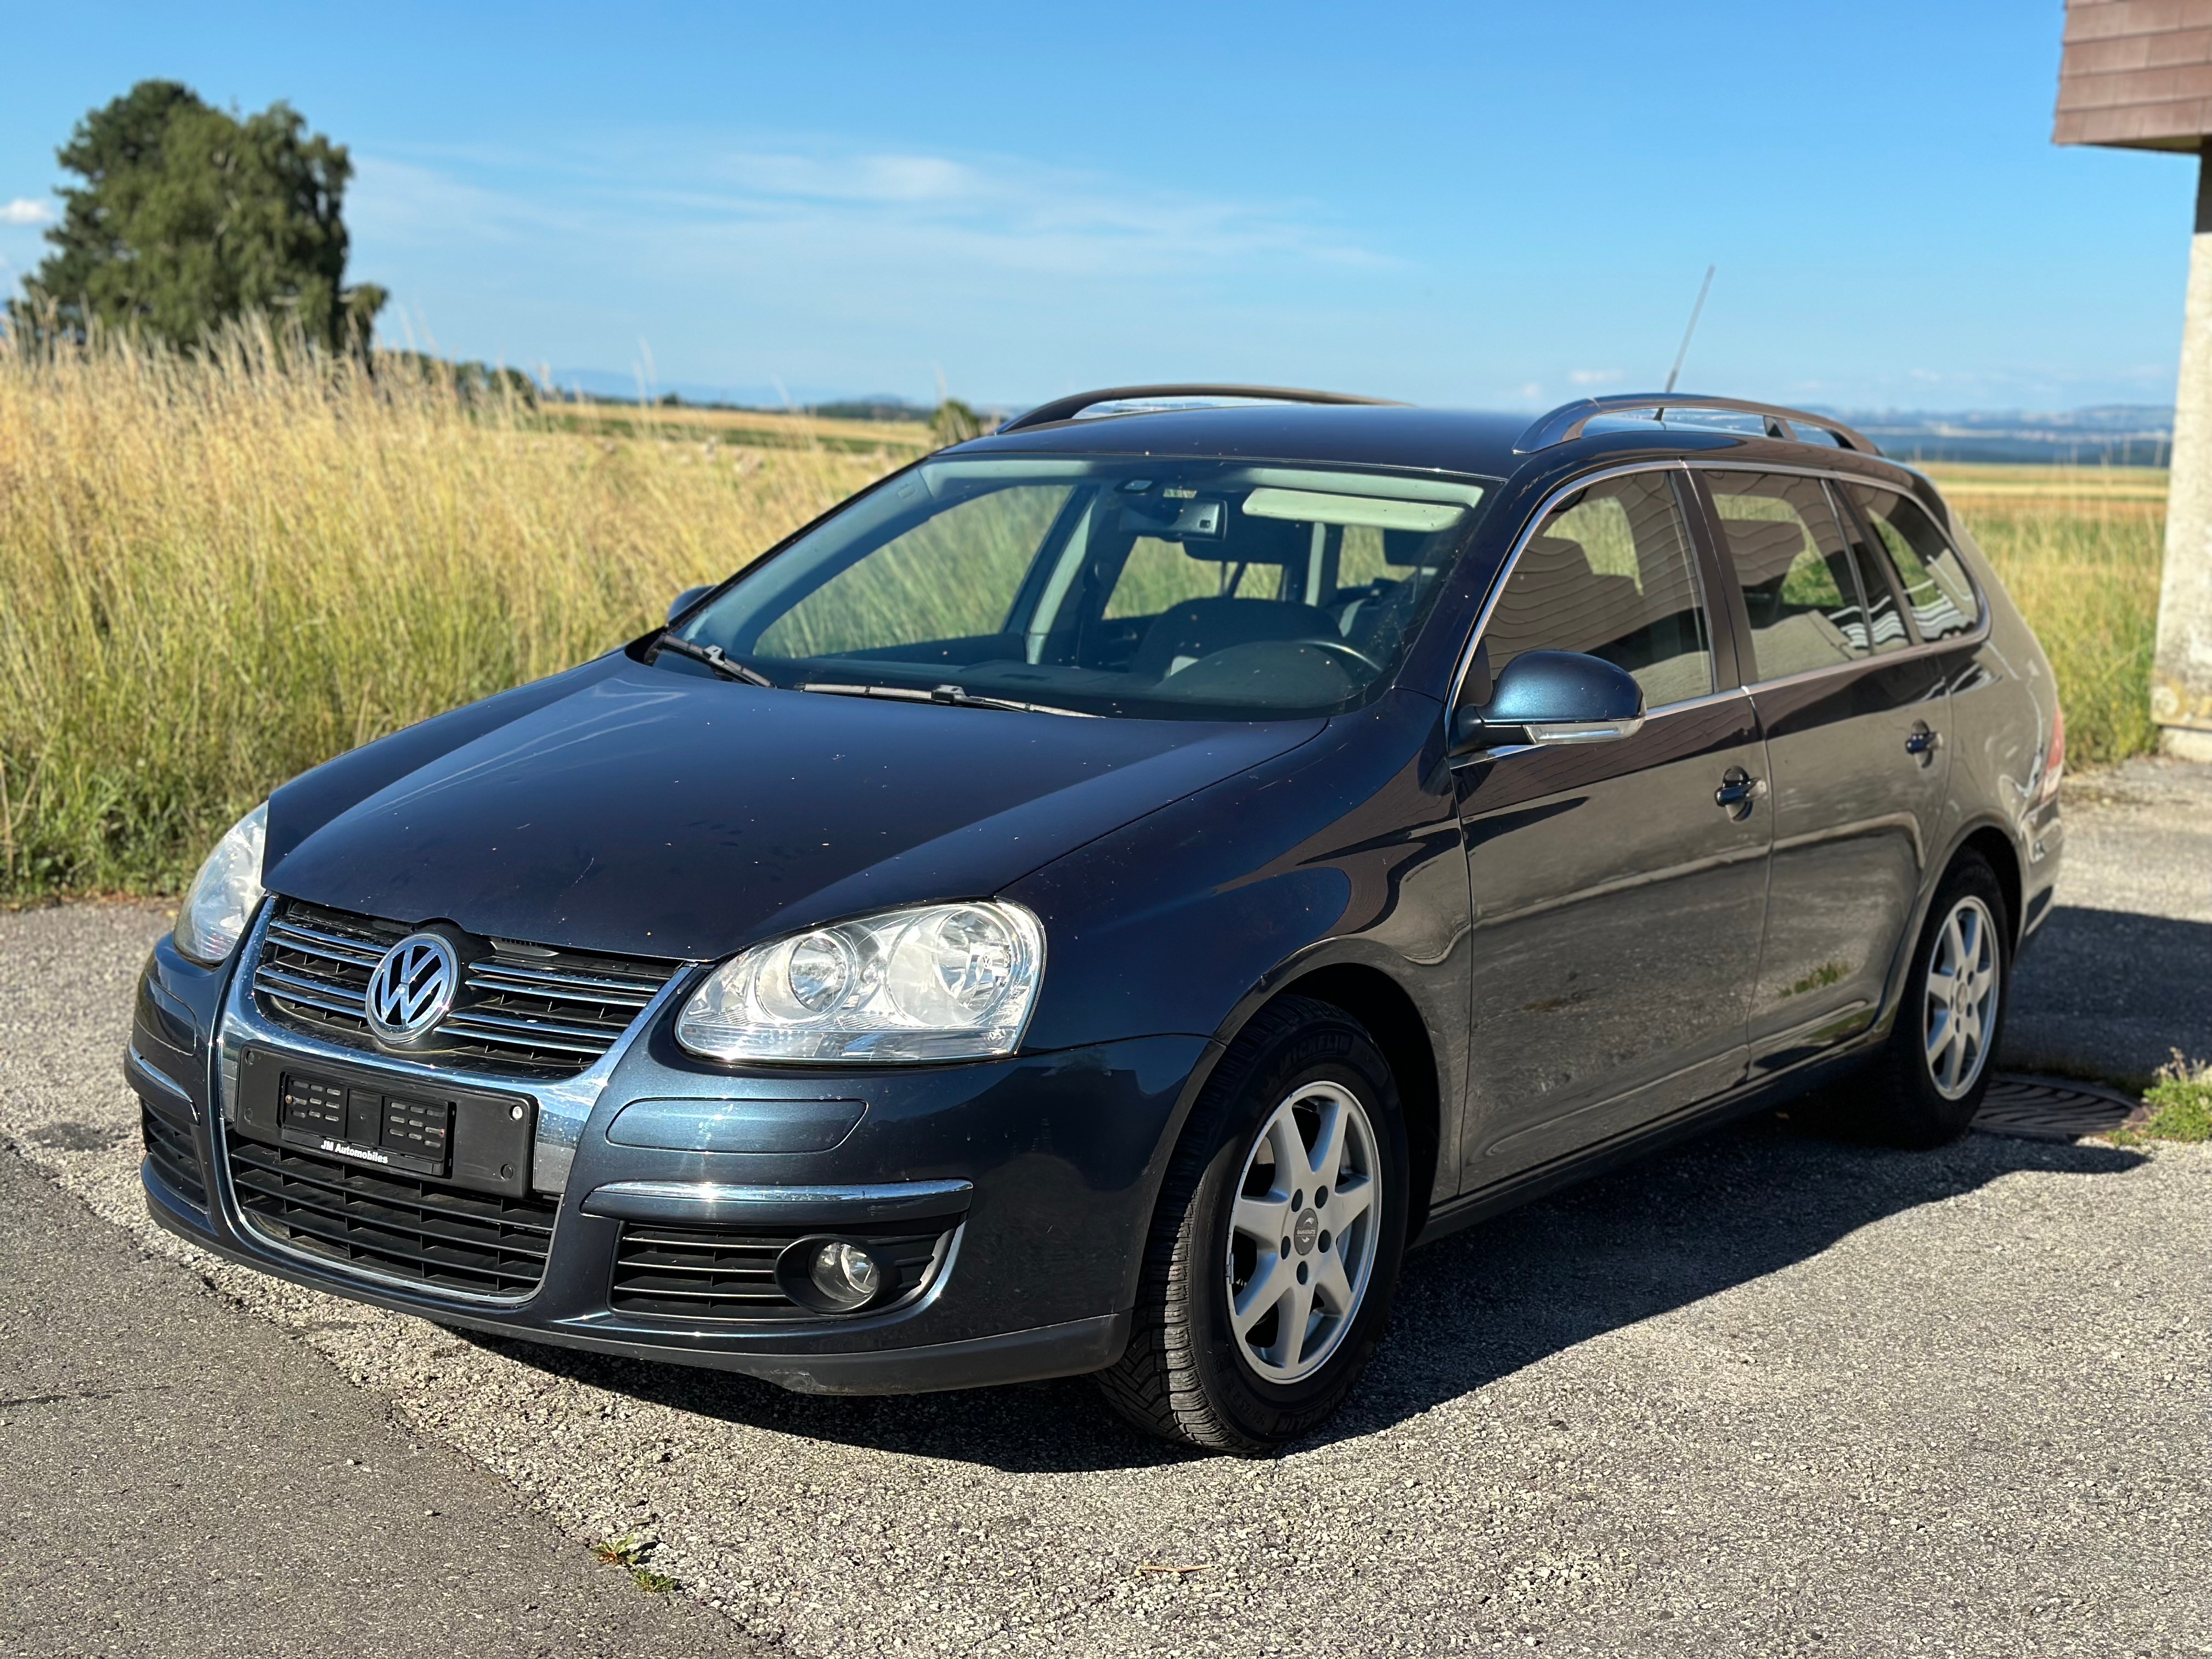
[224, 893]
[935, 981]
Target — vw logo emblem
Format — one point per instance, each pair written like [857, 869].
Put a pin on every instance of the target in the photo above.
[412, 989]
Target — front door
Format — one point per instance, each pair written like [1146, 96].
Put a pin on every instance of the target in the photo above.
[1853, 719]
[1617, 889]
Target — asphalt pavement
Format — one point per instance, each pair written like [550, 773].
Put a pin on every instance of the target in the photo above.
[2120, 976]
[1772, 1393]
[178, 1476]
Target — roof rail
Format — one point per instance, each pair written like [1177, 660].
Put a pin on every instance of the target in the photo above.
[1067, 409]
[1567, 422]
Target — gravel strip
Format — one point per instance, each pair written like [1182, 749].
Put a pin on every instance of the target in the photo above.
[1771, 1394]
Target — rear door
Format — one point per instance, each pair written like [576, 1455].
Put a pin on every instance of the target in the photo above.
[1616, 902]
[1853, 719]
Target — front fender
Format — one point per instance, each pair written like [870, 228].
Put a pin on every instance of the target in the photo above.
[1343, 854]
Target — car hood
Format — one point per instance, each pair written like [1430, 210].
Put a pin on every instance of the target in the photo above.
[641, 811]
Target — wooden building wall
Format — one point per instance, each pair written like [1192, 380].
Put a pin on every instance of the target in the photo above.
[2135, 73]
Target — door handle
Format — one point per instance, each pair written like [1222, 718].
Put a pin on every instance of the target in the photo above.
[1738, 791]
[1921, 743]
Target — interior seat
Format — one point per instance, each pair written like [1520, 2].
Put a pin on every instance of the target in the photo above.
[1196, 628]
[1764, 550]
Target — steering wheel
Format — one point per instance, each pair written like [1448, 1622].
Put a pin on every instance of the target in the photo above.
[1344, 650]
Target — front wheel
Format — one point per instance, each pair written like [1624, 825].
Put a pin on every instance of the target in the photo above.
[1276, 1246]
[1945, 1036]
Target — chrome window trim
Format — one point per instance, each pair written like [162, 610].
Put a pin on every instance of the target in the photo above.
[1910, 654]
[1976, 637]
[1979, 632]
[1706, 701]
[1528, 534]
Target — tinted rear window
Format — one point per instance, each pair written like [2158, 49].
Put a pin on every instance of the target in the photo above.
[1928, 570]
[1799, 590]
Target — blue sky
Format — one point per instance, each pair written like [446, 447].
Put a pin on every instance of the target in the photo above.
[1500, 205]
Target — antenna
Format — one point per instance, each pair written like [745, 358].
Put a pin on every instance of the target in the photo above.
[1675, 373]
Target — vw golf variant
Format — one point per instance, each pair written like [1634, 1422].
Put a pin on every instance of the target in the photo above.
[1093, 900]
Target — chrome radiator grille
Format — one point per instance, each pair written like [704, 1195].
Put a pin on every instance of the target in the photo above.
[523, 1010]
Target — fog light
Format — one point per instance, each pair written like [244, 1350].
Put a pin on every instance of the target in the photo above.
[845, 1274]
[830, 1275]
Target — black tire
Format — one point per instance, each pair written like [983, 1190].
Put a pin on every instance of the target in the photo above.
[1185, 1375]
[1913, 1108]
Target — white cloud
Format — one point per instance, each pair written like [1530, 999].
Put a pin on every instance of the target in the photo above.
[1594, 376]
[991, 214]
[25, 212]
[851, 269]
[855, 177]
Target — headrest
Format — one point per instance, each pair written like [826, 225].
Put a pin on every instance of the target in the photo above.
[1764, 548]
[1553, 552]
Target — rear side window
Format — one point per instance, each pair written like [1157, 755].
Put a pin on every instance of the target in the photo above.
[1609, 573]
[1928, 570]
[1788, 553]
[1886, 620]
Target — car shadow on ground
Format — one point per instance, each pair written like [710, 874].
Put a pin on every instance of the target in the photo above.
[1744, 1202]
[2110, 994]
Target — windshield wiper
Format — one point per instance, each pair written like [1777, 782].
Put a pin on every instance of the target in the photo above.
[713, 656]
[955, 695]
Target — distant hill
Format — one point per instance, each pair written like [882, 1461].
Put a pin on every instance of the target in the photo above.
[602, 386]
[2111, 435]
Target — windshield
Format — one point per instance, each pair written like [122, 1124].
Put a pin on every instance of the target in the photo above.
[1161, 588]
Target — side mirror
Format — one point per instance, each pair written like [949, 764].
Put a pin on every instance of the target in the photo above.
[1552, 697]
[689, 596]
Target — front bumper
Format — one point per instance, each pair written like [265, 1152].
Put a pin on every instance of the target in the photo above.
[1042, 1169]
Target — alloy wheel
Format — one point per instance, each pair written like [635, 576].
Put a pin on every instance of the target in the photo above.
[1960, 1005]
[1303, 1232]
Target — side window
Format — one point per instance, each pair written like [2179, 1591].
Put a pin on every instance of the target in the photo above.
[1798, 586]
[1608, 572]
[1927, 569]
[1886, 622]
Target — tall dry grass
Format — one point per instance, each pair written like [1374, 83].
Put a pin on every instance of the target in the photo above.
[217, 572]
[2079, 549]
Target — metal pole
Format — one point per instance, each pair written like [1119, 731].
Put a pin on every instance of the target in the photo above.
[2181, 672]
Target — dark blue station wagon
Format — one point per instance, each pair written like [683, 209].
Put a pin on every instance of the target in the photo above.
[1093, 900]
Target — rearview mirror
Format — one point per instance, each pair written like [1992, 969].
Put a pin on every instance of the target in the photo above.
[689, 596]
[1552, 697]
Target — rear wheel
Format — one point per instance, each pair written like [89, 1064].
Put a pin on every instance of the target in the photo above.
[1942, 1047]
[1276, 1245]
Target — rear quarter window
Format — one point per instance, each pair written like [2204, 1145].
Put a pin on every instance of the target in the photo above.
[1930, 571]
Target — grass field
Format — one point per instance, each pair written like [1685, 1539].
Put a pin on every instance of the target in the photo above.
[752, 427]
[214, 575]
[2079, 549]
